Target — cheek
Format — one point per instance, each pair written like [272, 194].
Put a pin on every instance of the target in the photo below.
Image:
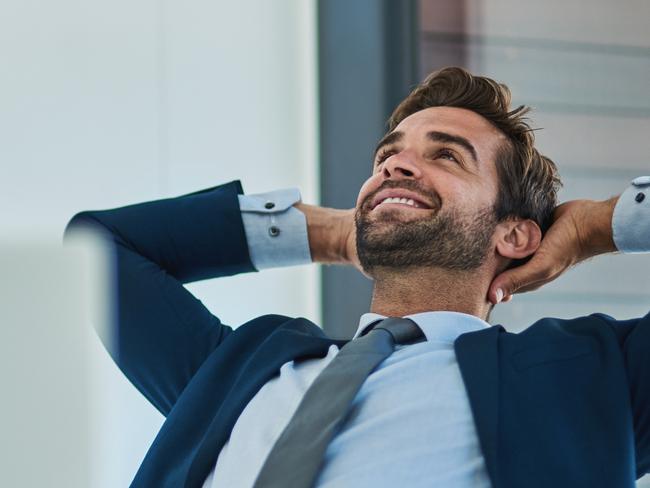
[370, 185]
[461, 196]
[476, 200]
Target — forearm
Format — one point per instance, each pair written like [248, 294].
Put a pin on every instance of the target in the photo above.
[595, 226]
[191, 237]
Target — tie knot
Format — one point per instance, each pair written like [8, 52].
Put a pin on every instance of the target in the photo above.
[404, 331]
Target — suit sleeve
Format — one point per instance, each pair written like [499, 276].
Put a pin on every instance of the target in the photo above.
[163, 334]
[634, 340]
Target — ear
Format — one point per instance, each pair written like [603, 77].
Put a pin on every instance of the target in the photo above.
[517, 239]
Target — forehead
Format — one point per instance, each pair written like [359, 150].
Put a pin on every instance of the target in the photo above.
[457, 121]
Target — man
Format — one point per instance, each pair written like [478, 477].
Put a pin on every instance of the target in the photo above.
[449, 223]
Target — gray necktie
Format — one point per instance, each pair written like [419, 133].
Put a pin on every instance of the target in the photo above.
[296, 457]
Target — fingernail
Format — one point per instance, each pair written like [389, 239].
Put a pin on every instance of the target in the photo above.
[499, 295]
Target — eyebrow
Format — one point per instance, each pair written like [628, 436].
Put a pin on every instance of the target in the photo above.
[388, 139]
[435, 136]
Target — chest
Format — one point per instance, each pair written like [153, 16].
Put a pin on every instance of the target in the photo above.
[413, 404]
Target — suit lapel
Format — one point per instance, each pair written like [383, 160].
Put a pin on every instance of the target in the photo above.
[298, 339]
[477, 354]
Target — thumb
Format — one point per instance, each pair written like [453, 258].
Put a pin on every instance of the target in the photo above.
[521, 278]
[504, 285]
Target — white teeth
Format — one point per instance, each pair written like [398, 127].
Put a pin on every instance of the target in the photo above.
[405, 201]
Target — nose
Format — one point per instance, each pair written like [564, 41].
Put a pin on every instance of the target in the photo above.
[400, 166]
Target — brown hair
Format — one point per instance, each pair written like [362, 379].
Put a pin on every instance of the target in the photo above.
[528, 180]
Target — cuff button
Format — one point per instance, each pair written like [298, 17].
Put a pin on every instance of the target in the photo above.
[269, 205]
[274, 231]
[639, 197]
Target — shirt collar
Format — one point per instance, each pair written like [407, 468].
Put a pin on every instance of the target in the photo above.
[440, 326]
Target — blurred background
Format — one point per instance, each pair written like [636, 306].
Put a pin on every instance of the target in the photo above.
[108, 103]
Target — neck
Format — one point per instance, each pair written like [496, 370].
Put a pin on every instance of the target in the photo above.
[415, 290]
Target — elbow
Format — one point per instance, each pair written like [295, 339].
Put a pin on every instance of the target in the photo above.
[85, 226]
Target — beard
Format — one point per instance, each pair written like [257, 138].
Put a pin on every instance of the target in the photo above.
[446, 239]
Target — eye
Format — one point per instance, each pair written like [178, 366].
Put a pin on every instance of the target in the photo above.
[447, 154]
[383, 155]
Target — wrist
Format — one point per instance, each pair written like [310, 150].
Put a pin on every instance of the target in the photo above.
[327, 230]
[597, 224]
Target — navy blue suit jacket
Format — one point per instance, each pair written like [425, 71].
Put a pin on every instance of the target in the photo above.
[565, 403]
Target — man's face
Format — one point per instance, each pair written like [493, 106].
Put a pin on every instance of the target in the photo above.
[430, 199]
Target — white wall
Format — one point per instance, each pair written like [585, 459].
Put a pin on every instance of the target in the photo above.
[108, 103]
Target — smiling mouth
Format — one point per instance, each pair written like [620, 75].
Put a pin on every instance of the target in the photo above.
[400, 202]
[405, 195]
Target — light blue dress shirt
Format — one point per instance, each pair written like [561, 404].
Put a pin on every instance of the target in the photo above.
[414, 405]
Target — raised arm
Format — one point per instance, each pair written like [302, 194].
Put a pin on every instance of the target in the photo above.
[163, 333]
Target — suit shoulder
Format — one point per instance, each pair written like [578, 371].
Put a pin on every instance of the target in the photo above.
[599, 326]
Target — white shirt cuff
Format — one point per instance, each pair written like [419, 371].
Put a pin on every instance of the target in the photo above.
[276, 231]
[631, 219]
